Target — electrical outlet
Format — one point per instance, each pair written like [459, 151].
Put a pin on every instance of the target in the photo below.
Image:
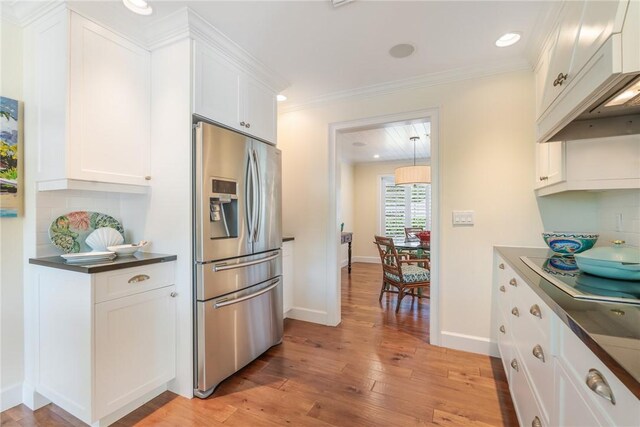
[618, 222]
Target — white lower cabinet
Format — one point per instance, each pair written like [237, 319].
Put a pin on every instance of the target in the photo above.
[287, 277]
[135, 347]
[554, 378]
[106, 342]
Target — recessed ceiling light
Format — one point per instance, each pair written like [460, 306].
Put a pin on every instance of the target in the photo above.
[281, 98]
[376, 156]
[140, 7]
[359, 144]
[402, 50]
[508, 39]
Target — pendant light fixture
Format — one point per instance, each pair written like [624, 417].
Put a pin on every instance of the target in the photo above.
[416, 174]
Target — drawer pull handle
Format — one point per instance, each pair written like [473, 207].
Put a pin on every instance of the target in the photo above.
[538, 353]
[515, 312]
[502, 329]
[173, 294]
[536, 422]
[139, 278]
[600, 386]
[502, 289]
[535, 310]
[513, 282]
[514, 365]
[501, 266]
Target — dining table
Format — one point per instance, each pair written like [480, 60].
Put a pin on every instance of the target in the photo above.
[420, 249]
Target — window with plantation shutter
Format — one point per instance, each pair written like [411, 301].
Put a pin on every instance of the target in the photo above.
[404, 206]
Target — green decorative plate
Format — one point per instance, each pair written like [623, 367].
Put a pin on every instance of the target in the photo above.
[68, 232]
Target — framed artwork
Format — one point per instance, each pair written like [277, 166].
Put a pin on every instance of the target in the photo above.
[10, 158]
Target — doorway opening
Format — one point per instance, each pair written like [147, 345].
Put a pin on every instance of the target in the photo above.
[363, 155]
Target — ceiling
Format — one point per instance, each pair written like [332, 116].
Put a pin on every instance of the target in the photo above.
[325, 51]
[389, 143]
[322, 50]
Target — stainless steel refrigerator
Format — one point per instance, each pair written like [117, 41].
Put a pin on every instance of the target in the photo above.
[237, 252]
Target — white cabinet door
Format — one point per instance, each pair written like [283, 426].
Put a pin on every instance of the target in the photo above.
[135, 346]
[217, 88]
[541, 78]
[550, 163]
[570, 410]
[562, 46]
[287, 277]
[598, 22]
[109, 106]
[258, 108]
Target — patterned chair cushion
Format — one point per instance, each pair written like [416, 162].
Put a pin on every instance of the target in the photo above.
[411, 274]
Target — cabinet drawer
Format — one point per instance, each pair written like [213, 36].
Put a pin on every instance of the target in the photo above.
[533, 310]
[120, 283]
[571, 409]
[577, 360]
[537, 360]
[524, 400]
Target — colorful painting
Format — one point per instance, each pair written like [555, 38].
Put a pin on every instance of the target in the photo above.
[10, 158]
[69, 232]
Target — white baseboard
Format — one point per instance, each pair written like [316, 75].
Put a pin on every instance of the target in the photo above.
[344, 263]
[367, 259]
[308, 315]
[10, 396]
[115, 416]
[470, 343]
[31, 398]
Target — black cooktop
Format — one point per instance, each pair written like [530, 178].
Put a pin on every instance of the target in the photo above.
[563, 272]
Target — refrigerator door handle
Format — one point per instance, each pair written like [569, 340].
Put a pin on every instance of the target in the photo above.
[223, 267]
[225, 302]
[257, 202]
[248, 197]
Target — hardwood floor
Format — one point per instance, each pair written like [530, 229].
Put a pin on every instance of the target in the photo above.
[375, 369]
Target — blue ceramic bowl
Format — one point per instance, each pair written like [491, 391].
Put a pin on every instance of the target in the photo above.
[570, 243]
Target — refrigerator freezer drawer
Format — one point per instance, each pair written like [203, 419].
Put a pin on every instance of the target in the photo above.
[222, 277]
[233, 330]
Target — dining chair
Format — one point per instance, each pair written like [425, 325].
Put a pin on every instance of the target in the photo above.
[411, 233]
[400, 272]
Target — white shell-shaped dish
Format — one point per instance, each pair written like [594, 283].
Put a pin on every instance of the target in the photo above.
[124, 250]
[103, 237]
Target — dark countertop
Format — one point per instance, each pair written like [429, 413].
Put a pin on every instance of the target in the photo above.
[138, 259]
[597, 326]
[288, 239]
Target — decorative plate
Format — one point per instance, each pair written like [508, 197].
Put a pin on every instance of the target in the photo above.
[68, 232]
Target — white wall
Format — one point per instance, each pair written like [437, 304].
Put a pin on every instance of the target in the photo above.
[11, 283]
[625, 202]
[487, 165]
[346, 205]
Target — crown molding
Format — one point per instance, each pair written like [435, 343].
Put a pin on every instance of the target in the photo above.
[23, 13]
[185, 22]
[426, 80]
[154, 34]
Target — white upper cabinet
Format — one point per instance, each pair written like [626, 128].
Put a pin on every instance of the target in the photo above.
[593, 43]
[216, 88]
[227, 95]
[559, 71]
[109, 106]
[550, 163]
[92, 99]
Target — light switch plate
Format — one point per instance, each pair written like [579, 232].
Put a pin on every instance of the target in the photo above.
[463, 217]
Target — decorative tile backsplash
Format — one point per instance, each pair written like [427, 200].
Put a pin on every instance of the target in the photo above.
[613, 203]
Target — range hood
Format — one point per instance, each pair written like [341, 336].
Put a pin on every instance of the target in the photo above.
[613, 114]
